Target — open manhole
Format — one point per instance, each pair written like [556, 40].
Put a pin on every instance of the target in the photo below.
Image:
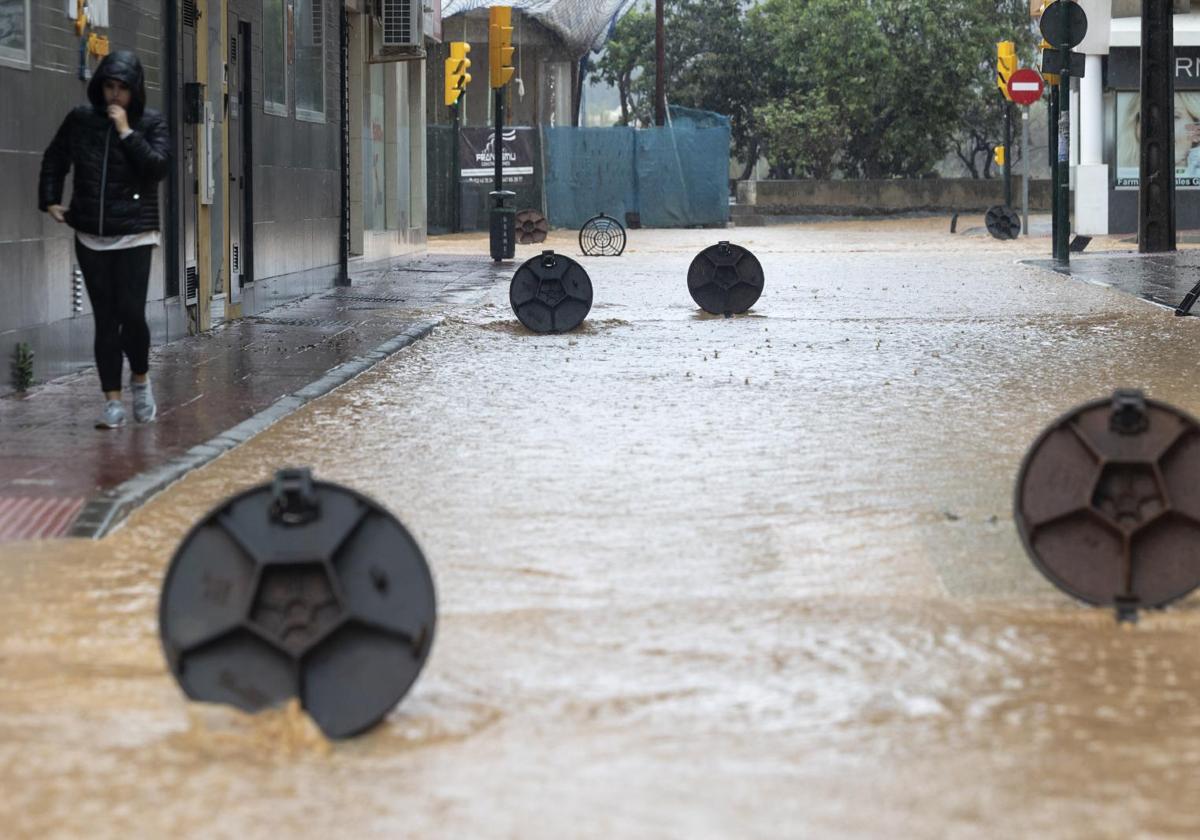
[299, 588]
[1108, 503]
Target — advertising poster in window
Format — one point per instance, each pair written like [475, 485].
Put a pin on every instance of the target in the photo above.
[1187, 139]
[477, 156]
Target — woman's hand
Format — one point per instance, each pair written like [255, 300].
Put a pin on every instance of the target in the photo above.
[119, 118]
[57, 212]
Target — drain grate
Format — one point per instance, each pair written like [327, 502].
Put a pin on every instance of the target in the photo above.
[307, 322]
[365, 298]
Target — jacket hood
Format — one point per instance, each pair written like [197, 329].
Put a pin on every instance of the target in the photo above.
[123, 66]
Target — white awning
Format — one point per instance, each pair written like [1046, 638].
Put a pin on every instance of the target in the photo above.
[583, 24]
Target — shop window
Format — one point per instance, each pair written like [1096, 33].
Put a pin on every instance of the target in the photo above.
[274, 51]
[14, 33]
[310, 60]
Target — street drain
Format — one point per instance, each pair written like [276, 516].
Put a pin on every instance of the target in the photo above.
[364, 298]
[1108, 503]
[551, 293]
[299, 588]
[308, 322]
[725, 279]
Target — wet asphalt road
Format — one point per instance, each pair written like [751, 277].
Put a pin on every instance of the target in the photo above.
[698, 577]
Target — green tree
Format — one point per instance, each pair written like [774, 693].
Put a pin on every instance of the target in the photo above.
[709, 65]
[624, 55]
[891, 80]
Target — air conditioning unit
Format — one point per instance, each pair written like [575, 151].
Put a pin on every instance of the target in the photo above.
[396, 33]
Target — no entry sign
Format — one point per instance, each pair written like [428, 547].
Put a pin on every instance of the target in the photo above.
[1025, 86]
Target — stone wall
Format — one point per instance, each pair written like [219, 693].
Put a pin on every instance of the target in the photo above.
[869, 198]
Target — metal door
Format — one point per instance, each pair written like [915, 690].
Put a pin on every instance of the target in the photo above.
[234, 109]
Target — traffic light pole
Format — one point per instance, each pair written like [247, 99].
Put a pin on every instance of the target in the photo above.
[456, 172]
[1008, 154]
[498, 145]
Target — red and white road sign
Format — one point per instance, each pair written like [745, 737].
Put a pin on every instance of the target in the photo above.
[1025, 86]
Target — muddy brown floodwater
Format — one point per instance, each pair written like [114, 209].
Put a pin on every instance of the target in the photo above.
[698, 577]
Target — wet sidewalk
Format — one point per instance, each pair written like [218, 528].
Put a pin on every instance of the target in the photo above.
[61, 476]
[1161, 279]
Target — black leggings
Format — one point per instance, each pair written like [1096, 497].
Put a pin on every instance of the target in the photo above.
[117, 282]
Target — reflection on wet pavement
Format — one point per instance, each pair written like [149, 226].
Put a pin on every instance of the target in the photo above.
[698, 577]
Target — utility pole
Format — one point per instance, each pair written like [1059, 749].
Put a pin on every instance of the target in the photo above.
[660, 66]
[1156, 193]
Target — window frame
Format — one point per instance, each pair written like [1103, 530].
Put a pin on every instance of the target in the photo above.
[276, 109]
[307, 114]
[7, 54]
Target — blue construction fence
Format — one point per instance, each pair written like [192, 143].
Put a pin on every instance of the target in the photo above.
[675, 176]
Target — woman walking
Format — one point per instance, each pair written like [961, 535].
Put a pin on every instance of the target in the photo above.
[120, 150]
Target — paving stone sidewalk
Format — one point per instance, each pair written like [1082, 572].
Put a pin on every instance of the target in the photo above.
[1161, 279]
[61, 476]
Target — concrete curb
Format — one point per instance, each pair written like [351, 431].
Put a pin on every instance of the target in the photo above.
[103, 512]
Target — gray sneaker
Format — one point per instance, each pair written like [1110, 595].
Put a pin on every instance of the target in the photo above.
[113, 415]
[144, 407]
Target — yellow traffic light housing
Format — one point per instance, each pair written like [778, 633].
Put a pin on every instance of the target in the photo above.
[998, 155]
[1006, 65]
[457, 77]
[500, 48]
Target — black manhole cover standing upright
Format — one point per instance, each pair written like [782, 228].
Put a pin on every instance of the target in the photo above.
[725, 279]
[1108, 503]
[299, 589]
[1002, 222]
[551, 293]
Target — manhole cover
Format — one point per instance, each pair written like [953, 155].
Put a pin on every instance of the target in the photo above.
[1002, 222]
[1108, 502]
[551, 293]
[299, 588]
[725, 279]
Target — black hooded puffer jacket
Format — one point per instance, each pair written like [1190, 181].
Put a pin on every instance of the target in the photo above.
[115, 193]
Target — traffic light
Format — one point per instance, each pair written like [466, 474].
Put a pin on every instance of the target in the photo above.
[457, 77]
[500, 48]
[1006, 65]
[998, 155]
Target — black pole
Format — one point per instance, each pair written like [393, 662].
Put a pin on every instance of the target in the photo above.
[1156, 170]
[1054, 170]
[1008, 111]
[343, 275]
[1062, 181]
[456, 171]
[660, 66]
[498, 146]
[172, 268]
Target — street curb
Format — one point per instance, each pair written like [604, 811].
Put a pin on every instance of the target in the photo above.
[103, 512]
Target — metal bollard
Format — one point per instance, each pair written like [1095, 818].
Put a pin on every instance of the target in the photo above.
[299, 588]
[503, 231]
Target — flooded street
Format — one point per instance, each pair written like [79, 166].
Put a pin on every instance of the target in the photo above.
[697, 577]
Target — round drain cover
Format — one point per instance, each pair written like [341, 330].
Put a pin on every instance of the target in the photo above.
[725, 279]
[1002, 222]
[551, 293]
[299, 588]
[1108, 502]
[602, 236]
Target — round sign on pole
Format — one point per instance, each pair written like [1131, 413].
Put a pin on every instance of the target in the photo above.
[1064, 20]
[1026, 86]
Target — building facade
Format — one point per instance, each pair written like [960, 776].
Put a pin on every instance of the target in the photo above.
[299, 148]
